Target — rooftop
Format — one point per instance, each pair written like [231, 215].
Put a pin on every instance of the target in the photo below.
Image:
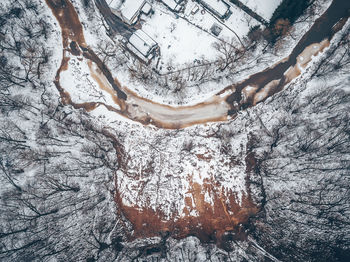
[217, 6]
[131, 8]
[142, 42]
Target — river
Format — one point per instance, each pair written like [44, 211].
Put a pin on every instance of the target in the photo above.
[238, 96]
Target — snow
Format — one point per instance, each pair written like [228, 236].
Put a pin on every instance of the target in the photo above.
[172, 4]
[131, 8]
[217, 6]
[146, 8]
[166, 185]
[194, 93]
[80, 83]
[238, 23]
[179, 41]
[168, 157]
[115, 4]
[142, 42]
[264, 8]
[187, 38]
[257, 60]
[140, 108]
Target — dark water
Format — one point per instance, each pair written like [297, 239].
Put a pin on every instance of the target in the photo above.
[74, 42]
[323, 28]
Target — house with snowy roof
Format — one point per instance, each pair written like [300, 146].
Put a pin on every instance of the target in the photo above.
[129, 10]
[142, 45]
[218, 7]
[174, 5]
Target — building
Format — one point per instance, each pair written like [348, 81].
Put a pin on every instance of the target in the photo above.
[216, 29]
[129, 10]
[218, 7]
[174, 5]
[194, 10]
[142, 45]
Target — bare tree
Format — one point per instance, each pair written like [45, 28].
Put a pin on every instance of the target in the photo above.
[228, 53]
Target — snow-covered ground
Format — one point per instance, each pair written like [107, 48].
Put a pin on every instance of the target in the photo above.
[237, 24]
[67, 167]
[174, 167]
[195, 92]
[180, 42]
[264, 8]
[187, 37]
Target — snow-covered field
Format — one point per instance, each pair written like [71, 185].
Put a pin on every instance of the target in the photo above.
[186, 37]
[174, 166]
[180, 42]
[195, 92]
[238, 23]
[264, 8]
[61, 168]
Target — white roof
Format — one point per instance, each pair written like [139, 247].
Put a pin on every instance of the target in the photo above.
[114, 4]
[219, 6]
[264, 8]
[131, 8]
[172, 4]
[142, 42]
[146, 8]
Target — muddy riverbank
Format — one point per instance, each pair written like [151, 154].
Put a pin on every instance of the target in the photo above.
[238, 96]
[213, 220]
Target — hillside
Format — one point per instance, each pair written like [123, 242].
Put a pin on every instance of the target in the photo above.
[240, 155]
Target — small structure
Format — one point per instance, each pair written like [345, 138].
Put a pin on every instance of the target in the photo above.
[142, 45]
[129, 10]
[195, 9]
[175, 5]
[216, 29]
[218, 7]
[146, 9]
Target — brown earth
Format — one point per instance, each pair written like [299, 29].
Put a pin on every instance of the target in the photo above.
[68, 20]
[211, 222]
[207, 221]
[266, 83]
